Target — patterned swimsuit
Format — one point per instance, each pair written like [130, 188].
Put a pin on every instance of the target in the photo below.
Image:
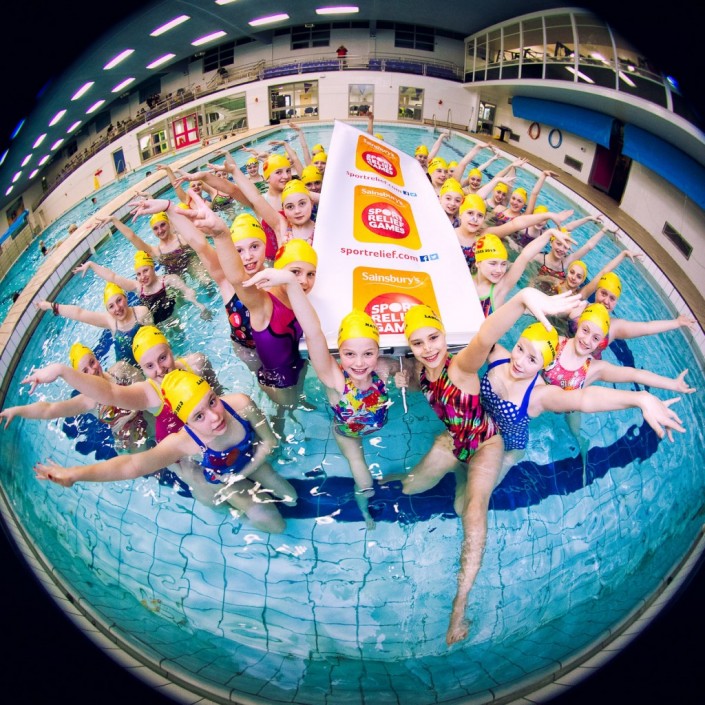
[360, 412]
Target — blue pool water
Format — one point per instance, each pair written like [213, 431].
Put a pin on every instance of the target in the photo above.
[329, 612]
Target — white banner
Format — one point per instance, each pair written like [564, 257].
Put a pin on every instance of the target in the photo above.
[385, 244]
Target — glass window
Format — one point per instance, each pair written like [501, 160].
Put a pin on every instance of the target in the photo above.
[303, 37]
[361, 98]
[217, 57]
[152, 144]
[494, 46]
[410, 103]
[225, 114]
[411, 36]
[481, 58]
[293, 100]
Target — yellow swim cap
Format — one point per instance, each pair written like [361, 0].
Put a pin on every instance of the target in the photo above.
[474, 172]
[421, 149]
[145, 339]
[540, 209]
[474, 202]
[317, 148]
[520, 192]
[489, 246]
[610, 282]
[246, 226]
[77, 352]
[437, 163]
[143, 259]
[252, 160]
[357, 324]
[293, 187]
[311, 173]
[596, 313]
[295, 250]
[501, 186]
[158, 218]
[582, 265]
[379, 136]
[184, 391]
[546, 341]
[452, 185]
[274, 162]
[452, 165]
[320, 157]
[111, 290]
[421, 316]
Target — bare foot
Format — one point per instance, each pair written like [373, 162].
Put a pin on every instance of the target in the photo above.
[458, 628]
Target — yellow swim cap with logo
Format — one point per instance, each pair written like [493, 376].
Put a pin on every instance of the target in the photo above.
[473, 202]
[437, 163]
[274, 162]
[184, 391]
[357, 324]
[421, 316]
[77, 352]
[421, 149]
[545, 341]
[582, 265]
[501, 186]
[246, 226]
[489, 246]
[158, 218]
[521, 192]
[143, 259]
[295, 250]
[293, 187]
[453, 186]
[598, 314]
[112, 289]
[252, 160]
[311, 173]
[474, 172]
[610, 282]
[145, 339]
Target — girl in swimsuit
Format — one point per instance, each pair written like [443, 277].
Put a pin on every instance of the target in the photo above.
[171, 252]
[472, 447]
[129, 427]
[517, 204]
[516, 388]
[437, 173]
[451, 196]
[157, 293]
[121, 320]
[354, 384]
[229, 439]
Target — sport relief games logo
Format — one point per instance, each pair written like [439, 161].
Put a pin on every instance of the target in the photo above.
[387, 294]
[374, 157]
[380, 217]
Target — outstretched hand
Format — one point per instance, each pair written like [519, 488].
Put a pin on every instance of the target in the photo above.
[270, 277]
[681, 385]
[541, 305]
[54, 472]
[660, 416]
[44, 375]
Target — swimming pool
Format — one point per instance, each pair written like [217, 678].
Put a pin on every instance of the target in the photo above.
[329, 611]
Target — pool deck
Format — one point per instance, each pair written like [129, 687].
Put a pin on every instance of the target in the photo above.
[651, 246]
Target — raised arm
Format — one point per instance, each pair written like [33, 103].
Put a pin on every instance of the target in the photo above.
[533, 196]
[100, 319]
[590, 244]
[526, 221]
[302, 141]
[176, 282]
[175, 183]
[458, 171]
[591, 287]
[46, 410]
[137, 242]
[623, 329]
[487, 189]
[107, 274]
[437, 144]
[603, 371]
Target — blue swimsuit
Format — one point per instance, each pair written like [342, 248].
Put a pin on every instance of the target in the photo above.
[512, 420]
[216, 463]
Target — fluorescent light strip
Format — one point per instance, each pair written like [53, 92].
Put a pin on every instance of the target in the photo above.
[57, 117]
[34, 173]
[119, 58]
[224, 2]
[4, 156]
[40, 139]
[74, 126]
[16, 177]
[626, 79]
[579, 74]
[25, 161]
[342, 10]
[9, 191]
[122, 85]
[82, 90]
[57, 144]
[17, 129]
[94, 107]
[161, 60]
[268, 20]
[44, 160]
[208, 38]
[169, 25]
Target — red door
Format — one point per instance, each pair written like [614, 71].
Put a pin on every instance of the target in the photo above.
[185, 131]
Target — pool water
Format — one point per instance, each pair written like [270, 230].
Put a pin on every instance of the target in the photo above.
[330, 612]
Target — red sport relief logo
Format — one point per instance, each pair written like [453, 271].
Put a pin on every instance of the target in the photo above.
[381, 217]
[388, 310]
[385, 219]
[379, 159]
[380, 164]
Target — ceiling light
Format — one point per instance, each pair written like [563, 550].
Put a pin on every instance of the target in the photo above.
[342, 10]
[120, 57]
[57, 144]
[161, 60]
[81, 90]
[57, 117]
[74, 126]
[208, 38]
[268, 20]
[44, 160]
[579, 74]
[626, 79]
[122, 84]
[4, 156]
[34, 173]
[16, 176]
[9, 191]
[25, 161]
[169, 25]
[16, 130]
[94, 107]
[40, 139]
[223, 2]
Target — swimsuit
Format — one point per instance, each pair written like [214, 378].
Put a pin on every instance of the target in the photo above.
[558, 376]
[512, 420]
[216, 463]
[545, 270]
[160, 303]
[290, 235]
[361, 411]
[123, 341]
[487, 302]
[128, 427]
[272, 244]
[278, 348]
[469, 254]
[462, 413]
[239, 320]
[178, 260]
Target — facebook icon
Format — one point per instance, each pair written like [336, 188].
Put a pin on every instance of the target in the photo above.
[428, 258]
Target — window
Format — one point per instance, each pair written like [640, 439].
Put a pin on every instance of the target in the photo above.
[303, 37]
[226, 114]
[361, 98]
[152, 144]
[293, 100]
[410, 103]
[411, 36]
[217, 57]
